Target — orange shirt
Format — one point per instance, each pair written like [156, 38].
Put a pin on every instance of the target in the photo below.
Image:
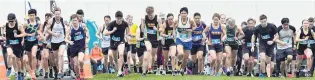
[96, 54]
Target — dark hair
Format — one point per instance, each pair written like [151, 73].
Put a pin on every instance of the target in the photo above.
[183, 9]
[57, 9]
[216, 15]
[48, 15]
[107, 16]
[169, 14]
[37, 18]
[32, 11]
[118, 14]
[244, 23]
[311, 19]
[197, 14]
[263, 16]
[251, 19]
[80, 12]
[74, 16]
[149, 9]
[285, 20]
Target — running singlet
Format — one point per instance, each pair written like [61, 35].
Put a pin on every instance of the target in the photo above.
[11, 40]
[78, 37]
[133, 31]
[140, 44]
[265, 33]
[182, 32]
[303, 35]
[197, 35]
[248, 35]
[168, 31]
[30, 29]
[230, 34]
[105, 39]
[151, 33]
[285, 35]
[119, 34]
[59, 30]
[215, 35]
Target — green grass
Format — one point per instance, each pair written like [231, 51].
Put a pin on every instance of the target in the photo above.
[185, 77]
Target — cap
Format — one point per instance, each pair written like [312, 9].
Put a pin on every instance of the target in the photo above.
[11, 16]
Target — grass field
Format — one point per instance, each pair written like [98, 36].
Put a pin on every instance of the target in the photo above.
[185, 77]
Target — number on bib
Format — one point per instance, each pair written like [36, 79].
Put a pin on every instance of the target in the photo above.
[229, 39]
[150, 31]
[249, 44]
[79, 37]
[267, 36]
[215, 41]
[31, 38]
[116, 38]
[197, 37]
[14, 42]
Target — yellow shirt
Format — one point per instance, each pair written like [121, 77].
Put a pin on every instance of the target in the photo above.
[133, 30]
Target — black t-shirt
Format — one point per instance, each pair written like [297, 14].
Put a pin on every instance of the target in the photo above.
[248, 33]
[119, 34]
[265, 33]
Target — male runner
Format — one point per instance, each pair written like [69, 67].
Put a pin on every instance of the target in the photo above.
[132, 40]
[223, 21]
[266, 32]
[14, 33]
[76, 36]
[198, 47]
[151, 24]
[239, 59]
[116, 29]
[184, 27]
[45, 52]
[284, 46]
[249, 56]
[168, 45]
[56, 28]
[105, 42]
[142, 53]
[231, 44]
[31, 41]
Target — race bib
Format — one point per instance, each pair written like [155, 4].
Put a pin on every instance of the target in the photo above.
[40, 43]
[78, 37]
[140, 44]
[303, 42]
[168, 37]
[183, 36]
[230, 39]
[115, 38]
[267, 36]
[249, 44]
[215, 41]
[150, 31]
[31, 38]
[197, 37]
[105, 38]
[311, 41]
[14, 42]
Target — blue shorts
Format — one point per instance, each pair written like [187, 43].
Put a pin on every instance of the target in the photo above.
[186, 45]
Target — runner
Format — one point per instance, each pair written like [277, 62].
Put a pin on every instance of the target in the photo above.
[76, 36]
[56, 28]
[45, 51]
[105, 42]
[132, 41]
[169, 46]
[284, 45]
[265, 31]
[31, 41]
[239, 59]
[302, 37]
[215, 33]
[14, 33]
[116, 29]
[198, 43]
[184, 27]
[152, 25]
[223, 21]
[250, 57]
[231, 44]
[311, 64]
[142, 53]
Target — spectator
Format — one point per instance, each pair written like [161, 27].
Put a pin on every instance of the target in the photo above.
[96, 57]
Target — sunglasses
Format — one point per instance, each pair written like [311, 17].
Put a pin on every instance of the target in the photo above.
[11, 20]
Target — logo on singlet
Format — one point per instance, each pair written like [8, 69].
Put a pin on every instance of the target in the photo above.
[115, 38]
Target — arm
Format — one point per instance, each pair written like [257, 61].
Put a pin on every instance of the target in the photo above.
[99, 30]
[204, 32]
[162, 29]
[223, 36]
[193, 24]
[241, 33]
[109, 29]
[297, 37]
[21, 29]
[48, 28]
[2, 28]
[254, 37]
[160, 24]
[87, 34]
[277, 39]
[41, 30]
[138, 35]
[68, 38]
